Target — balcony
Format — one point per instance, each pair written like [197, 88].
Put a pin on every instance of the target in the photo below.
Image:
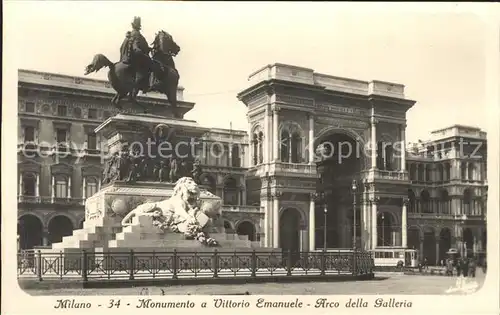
[67, 201]
[372, 175]
[247, 209]
[29, 199]
[298, 168]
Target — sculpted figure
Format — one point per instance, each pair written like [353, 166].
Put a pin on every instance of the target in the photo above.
[184, 212]
[173, 169]
[196, 172]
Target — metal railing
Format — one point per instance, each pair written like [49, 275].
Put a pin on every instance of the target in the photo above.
[88, 266]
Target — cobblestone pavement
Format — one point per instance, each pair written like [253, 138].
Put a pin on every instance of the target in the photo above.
[382, 284]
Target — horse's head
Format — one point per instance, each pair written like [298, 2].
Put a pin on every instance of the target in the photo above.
[164, 42]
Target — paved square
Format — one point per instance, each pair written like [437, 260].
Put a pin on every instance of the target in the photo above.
[382, 284]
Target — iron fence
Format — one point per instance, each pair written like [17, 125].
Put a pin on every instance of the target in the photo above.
[132, 265]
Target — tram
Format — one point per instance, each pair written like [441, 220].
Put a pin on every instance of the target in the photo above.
[392, 256]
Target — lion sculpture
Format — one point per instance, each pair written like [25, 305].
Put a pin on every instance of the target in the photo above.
[184, 212]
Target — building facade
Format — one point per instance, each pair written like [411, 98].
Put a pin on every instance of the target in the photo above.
[287, 180]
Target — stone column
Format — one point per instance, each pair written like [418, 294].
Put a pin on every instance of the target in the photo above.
[374, 202]
[37, 187]
[421, 249]
[374, 140]
[53, 190]
[438, 259]
[266, 145]
[45, 237]
[69, 187]
[403, 148]
[362, 224]
[275, 133]
[276, 218]
[404, 219]
[20, 184]
[312, 222]
[250, 146]
[311, 138]
[84, 190]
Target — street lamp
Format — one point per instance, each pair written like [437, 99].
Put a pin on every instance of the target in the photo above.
[464, 245]
[325, 210]
[354, 188]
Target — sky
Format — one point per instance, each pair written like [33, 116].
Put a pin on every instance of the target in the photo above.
[437, 51]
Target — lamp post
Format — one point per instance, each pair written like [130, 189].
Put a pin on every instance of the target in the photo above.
[464, 243]
[325, 210]
[354, 189]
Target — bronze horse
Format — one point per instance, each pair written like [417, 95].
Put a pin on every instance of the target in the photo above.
[122, 76]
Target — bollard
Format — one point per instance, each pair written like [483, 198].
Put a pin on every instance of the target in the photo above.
[131, 265]
[216, 264]
[39, 265]
[84, 266]
[254, 264]
[174, 265]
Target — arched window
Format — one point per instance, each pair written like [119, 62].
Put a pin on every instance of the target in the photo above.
[467, 201]
[425, 203]
[230, 192]
[447, 171]
[470, 171]
[285, 146]
[296, 145]
[440, 172]
[91, 186]
[61, 186]
[261, 145]
[388, 157]
[235, 156]
[463, 171]
[29, 184]
[413, 172]
[421, 173]
[255, 147]
[380, 157]
[411, 201]
[444, 202]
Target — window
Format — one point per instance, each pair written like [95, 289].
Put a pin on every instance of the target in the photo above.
[92, 113]
[29, 184]
[91, 187]
[91, 141]
[61, 135]
[62, 110]
[235, 156]
[61, 187]
[29, 134]
[30, 107]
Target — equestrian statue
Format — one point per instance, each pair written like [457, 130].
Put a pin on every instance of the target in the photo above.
[141, 67]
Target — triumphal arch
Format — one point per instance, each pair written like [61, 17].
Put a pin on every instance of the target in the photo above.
[323, 147]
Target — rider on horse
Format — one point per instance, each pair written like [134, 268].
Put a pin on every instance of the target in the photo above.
[135, 51]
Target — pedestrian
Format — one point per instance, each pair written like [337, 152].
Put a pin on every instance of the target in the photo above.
[465, 267]
[472, 267]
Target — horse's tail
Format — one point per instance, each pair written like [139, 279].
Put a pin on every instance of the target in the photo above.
[100, 61]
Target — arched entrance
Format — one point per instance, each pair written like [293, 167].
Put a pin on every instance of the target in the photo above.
[30, 231]
[413, 238]
[444, 243]
[59, 226]
[468, 239]
[386, 225]
[246, 228]
[429, 246]
[290, 230]
[339, 160]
